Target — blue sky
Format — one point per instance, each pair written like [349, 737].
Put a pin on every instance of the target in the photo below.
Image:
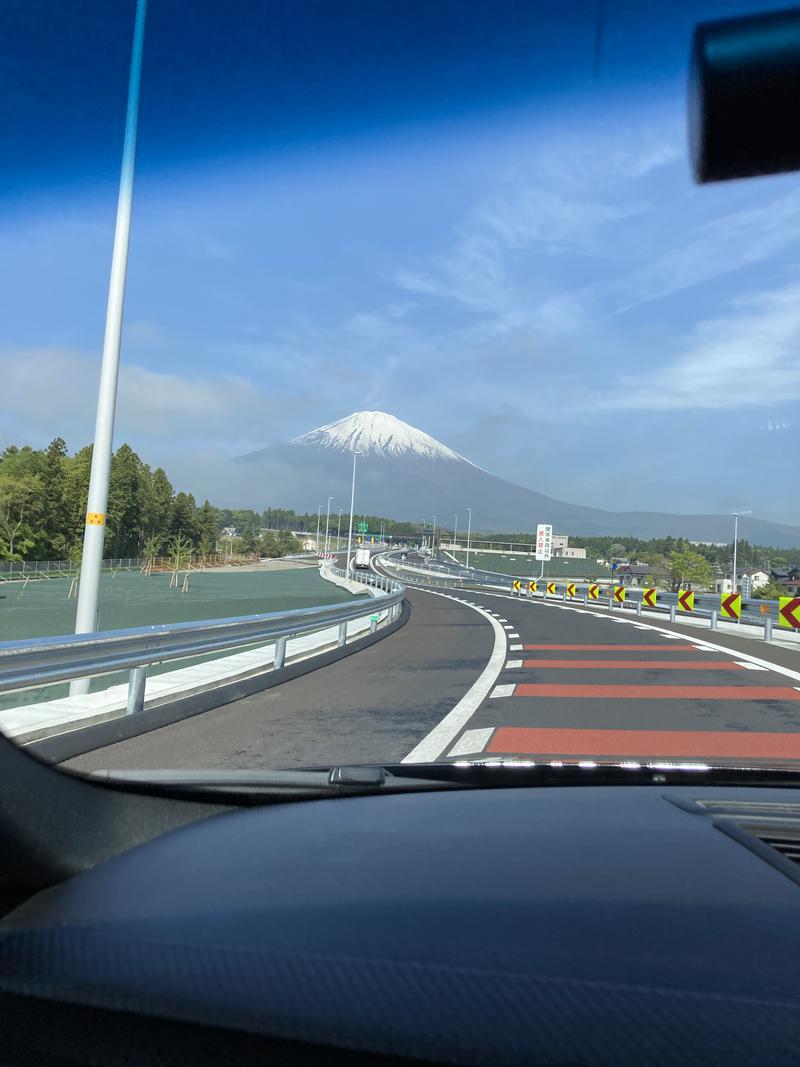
[460, 214]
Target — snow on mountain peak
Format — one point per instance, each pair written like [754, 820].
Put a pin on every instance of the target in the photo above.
[377, 433]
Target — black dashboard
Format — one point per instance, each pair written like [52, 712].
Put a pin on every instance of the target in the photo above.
[592, 925]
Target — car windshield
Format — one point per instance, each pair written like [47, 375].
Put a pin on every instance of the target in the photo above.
[378, 386]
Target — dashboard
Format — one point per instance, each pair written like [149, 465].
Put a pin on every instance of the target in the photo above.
[580, 925]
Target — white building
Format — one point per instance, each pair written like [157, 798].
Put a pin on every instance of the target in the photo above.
[561, 548]
[747, 581]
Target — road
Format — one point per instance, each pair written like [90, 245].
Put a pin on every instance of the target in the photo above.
[480, 675]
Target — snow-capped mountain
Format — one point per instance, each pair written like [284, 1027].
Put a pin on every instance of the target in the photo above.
[404, 473]
[376, 433]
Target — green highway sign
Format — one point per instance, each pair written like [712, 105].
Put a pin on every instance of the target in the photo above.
[362, 527]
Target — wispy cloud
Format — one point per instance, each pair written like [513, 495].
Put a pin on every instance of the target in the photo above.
[747, 358]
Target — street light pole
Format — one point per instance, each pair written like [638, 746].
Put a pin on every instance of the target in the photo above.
[433, 535]
[469, 531]
[352, 505]
[327, 520]
[319, 520]
[742, 511]
[339, 531]
[86, 615]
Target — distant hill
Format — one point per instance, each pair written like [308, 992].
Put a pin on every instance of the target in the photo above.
[406, 474]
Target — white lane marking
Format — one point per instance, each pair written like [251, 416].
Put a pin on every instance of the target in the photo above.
[471, 741]
[508, 627]
[503, 691]
[749, 666]
[703, 648]
[498, 617]
[513, 664]
[442, 735]
[515, 648]
[513, 635]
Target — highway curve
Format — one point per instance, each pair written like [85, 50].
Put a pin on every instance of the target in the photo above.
[483, 675]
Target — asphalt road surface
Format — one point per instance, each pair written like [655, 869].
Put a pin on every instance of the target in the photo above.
[479, 675]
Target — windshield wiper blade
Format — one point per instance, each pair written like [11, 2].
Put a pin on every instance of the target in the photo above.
[328, 781]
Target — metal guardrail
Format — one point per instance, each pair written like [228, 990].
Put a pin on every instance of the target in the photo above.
[755, 612]
[46, 660]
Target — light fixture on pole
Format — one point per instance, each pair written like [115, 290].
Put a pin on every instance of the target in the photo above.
[352, 505]
[469, 531]
[327, 520]
[736, 514]
[86, 615]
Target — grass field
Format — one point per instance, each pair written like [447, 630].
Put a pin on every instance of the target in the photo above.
[41, 609]
[524, 566]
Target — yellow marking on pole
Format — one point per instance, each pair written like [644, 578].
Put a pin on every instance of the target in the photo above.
[95, 518]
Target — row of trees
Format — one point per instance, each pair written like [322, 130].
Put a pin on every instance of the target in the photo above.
[43, 496]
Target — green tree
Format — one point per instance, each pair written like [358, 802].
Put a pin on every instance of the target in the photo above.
[180, 550]
[183, 521]
[688, 568]
[76, 494]
[17, 499]
[250, 540]
[158, 504]
[207, 528]
[124, 518]
[54, 514]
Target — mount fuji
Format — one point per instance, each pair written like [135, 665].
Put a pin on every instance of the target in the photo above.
[405, 474]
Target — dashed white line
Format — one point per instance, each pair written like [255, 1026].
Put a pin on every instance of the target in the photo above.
[515, 648]
[513, 635]
[749, 666]
[471, 741]
[442, 735]
[508, 627]
[503, 691]
[513, 664]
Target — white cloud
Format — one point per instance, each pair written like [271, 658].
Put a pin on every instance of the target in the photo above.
[52, 390]
[747, 358]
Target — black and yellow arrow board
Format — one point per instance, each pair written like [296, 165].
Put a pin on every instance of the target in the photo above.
[517, 584]
[551, 588]
[594, 592]
[570, 589]
[533, 586]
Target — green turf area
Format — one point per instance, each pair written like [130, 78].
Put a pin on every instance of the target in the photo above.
[41, 609]
[524, 566]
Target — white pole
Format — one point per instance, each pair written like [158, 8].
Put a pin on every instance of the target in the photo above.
[433, 535]
[327, 520]
[86, 615]
[469, 531]
[735, 541]
[339, 531]
[352, 504]
[319, 520]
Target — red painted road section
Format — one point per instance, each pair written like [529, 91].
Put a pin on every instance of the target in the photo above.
[660, 692]
[636, 664]
[674, 646]
[658, 744]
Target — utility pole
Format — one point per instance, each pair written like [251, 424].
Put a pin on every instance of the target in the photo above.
[352, 505]
[327, 520]
[469, 531]
[433, 535]
[455, 530]
[741, 511]
[86, 615]
[319, 520]
[339, 531]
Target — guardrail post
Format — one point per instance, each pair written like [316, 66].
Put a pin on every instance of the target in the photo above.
[136, 684]
[672, 613]
[768, 629]
[342, 634]
[713, 620]
[373, 623]
[280, 653]
[638, 607]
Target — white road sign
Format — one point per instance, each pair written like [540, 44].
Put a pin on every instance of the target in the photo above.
[544, 541]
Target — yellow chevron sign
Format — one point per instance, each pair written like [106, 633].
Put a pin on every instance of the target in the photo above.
[570, 589]
[594, 592]
[730, 605]
[649, 597]
[551, 587]
[619, 594]
[517, 585]
[533, 586]
[686, 600]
